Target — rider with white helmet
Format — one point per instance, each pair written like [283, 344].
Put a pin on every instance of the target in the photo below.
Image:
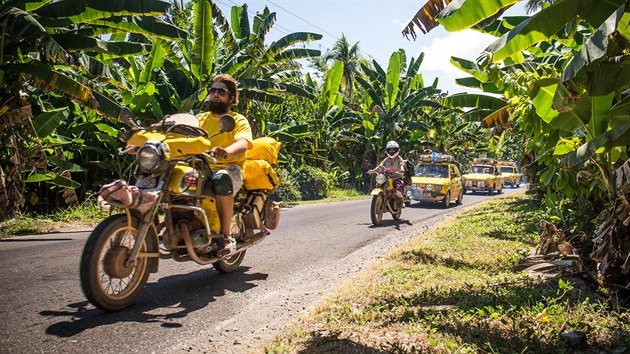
[394, 163]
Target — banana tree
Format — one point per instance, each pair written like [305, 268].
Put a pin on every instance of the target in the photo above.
[399, 102]
[45, 47]
[581, 107]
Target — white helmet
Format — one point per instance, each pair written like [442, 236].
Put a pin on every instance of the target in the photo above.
[392, 148]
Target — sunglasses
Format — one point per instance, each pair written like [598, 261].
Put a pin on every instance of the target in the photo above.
[221, 91]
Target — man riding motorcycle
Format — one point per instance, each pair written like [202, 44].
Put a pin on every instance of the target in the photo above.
[229, 149]
[394, 163]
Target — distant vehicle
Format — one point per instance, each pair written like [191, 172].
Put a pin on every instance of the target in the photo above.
[483, 176]
[510, 173]
[437, 179]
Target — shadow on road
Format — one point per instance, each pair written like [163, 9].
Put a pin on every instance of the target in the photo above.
[158, 301]
[391, 223]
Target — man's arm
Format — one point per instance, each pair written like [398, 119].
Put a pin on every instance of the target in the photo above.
[236, 148]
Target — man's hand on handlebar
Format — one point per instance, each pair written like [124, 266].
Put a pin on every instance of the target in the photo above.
[219, 153]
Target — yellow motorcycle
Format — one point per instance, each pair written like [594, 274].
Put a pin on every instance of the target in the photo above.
[169, 212]
[384, 196]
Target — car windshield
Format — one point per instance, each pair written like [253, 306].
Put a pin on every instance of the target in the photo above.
[482, 169]
[506, 169]
[432, 171]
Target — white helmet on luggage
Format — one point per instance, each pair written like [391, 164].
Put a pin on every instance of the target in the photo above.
[392, 148]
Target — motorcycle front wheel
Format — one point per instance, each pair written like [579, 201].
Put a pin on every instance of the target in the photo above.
[376, 211]
[107, 282]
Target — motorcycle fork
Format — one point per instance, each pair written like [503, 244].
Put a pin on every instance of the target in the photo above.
[145, 223]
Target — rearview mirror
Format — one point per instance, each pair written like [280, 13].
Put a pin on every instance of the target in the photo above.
[226, 123]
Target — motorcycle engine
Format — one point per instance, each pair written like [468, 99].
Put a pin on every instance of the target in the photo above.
[201, 241]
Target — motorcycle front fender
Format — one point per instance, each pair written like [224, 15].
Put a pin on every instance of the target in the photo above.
[376, 191]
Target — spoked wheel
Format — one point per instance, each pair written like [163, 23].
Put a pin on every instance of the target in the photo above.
[396, 212]
[107, 281]
[376, 211]
[231, 264]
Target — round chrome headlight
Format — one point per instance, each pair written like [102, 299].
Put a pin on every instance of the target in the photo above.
[429, 187]
[151, 155]
[380, 178]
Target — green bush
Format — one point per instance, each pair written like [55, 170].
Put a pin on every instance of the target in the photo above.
[312, 182]
[288, 189]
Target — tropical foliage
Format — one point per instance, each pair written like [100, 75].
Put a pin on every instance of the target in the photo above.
[562, 76]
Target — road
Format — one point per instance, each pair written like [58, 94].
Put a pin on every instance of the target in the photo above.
[189, 308]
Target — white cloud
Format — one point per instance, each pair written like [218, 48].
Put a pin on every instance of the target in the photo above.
[467, 44]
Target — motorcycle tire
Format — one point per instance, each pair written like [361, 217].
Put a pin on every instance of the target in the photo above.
[106, 282]
[229, 265]
[396, 214]
[376, 210]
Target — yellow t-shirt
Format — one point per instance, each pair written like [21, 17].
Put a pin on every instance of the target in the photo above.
[210, 123]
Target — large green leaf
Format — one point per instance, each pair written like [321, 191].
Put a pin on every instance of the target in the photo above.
[291, 39]
[393, 79]
[462, 14]
[47, 122]
[470, 67]
[154, 61]
[27, 5]
[66, 165]
[549, 21]
[203, 50]
[330, 93]
[587, 150]
[462, 100]
[595, 47]
[151, 27]
[240, 21]
[471, 82]
[83, 11]
[22, 26]
[62, 181]
[609, 76]
[296, 53]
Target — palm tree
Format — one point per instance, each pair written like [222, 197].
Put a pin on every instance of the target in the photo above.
[349, 55]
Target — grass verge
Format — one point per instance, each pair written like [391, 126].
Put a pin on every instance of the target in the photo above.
[335, 195]
[86, 215]
[452, 290]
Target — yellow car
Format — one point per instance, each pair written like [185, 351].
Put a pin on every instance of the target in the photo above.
[510, 173]
[436, 179]
[483, 176]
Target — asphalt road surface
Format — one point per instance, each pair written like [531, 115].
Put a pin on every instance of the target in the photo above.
[186, 307]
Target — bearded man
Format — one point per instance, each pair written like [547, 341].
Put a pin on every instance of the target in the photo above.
[229, 149]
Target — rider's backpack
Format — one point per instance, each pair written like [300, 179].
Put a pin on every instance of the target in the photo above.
[265, 148]
[258, 174]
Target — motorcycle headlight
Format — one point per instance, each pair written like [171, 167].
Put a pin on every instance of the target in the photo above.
[429, 187]
[380, 178]
[151, 155]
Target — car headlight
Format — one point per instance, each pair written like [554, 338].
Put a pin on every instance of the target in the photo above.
[380, 178]
[151, 155]
[429, 187]
[414, 187]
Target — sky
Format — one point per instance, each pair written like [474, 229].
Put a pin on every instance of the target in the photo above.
[377, 26]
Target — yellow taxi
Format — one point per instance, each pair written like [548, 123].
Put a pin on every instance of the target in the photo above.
[510, 173]
[436, 179]
[483, 176]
